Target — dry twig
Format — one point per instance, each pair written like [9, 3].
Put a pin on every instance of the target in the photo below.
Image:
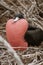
[18, 60]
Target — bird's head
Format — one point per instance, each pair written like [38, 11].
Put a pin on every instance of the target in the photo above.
[18, 17]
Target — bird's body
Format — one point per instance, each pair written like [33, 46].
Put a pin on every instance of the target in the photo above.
[34, 36]
[20, 34]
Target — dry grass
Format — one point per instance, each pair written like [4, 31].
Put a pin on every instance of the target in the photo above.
[8, 8]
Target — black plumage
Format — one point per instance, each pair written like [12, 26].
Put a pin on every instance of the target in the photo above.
[19, 16]
[34, 36]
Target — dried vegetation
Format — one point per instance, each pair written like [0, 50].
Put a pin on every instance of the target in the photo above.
[33, 11]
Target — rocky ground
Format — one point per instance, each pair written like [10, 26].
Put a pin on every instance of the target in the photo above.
[31, 10]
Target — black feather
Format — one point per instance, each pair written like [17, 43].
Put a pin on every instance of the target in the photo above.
[34, 36]
[19, 16]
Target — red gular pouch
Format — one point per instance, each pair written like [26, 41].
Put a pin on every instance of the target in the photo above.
[15, 31]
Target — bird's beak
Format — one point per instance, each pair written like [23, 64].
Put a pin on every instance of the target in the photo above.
[16, 19]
